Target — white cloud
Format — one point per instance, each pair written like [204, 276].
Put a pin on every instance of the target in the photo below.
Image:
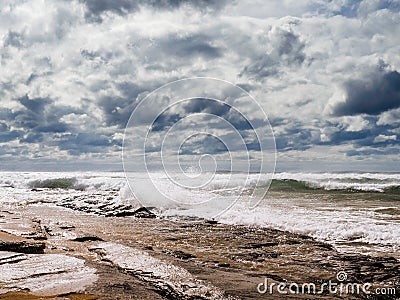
[383, 138]
[294, 56]
[389, 117]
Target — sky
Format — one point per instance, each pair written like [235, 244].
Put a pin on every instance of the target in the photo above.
[326, 73]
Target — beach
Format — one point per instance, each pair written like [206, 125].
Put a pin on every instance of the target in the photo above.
[82, 236]
[152, 258]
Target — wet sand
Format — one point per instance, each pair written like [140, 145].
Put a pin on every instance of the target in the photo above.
[140, 258]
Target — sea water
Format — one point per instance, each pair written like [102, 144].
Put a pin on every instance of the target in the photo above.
[353, 211]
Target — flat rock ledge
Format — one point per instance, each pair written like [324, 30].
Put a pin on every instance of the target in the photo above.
[171, 281]
[87, 256]
[44, 274]
[21, 245]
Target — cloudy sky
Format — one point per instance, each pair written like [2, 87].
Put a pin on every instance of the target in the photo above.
[327, 73]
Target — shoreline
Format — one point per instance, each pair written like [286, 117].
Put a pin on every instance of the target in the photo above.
[208, 259]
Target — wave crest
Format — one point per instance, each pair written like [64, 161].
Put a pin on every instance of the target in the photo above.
[57, 183]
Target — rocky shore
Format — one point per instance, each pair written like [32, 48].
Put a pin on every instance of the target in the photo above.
[48, 252]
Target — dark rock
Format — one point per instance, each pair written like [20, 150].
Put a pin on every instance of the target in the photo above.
[88, 201]
[28, 247]
[268, 275]
[260, 245]
[354, 238]
[292, 242]
[351, 258]
[384, 277]
[275, 277]
[122, 214]
[378, 265]
[326, 246]
[103, 206]
[148, 248]
[255, 256]
[183, 255]
[124, 286]
[213, 222]
[179, 254]
[271, 254]
[144, 212]
[88, 239]
[67, 226]
[305, 237]
[141, 212]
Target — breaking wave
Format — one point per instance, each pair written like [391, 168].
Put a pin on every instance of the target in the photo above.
[344, 182]
[334, 207]
[57, 183]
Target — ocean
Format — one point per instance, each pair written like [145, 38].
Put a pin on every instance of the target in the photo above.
[352, 211]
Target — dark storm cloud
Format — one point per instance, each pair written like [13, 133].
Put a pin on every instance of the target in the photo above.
[14, 39]
[35, 105]
[84, 142]
[165, 121]
[40, 115]
[295, 139]
[90, 54]
[3, 127]
[239, 122]
[245, 86]
[201, 105]
[355, 8]
[262, 67]
[6, 114]
[357, 137]
[240, 130]
[95, 8]
[379, 93]
[373, 136]
[191, 106]
[31, 78]
[32, 138]
[295, 135]
[116, 110]
[389, 5]
[9, 136]
[131, 90]
[101, 56]
[347, 9]
[202, 4]
[288, 50]
[203, 144]
[194, 45]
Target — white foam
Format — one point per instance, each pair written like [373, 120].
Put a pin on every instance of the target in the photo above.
[374, 182]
